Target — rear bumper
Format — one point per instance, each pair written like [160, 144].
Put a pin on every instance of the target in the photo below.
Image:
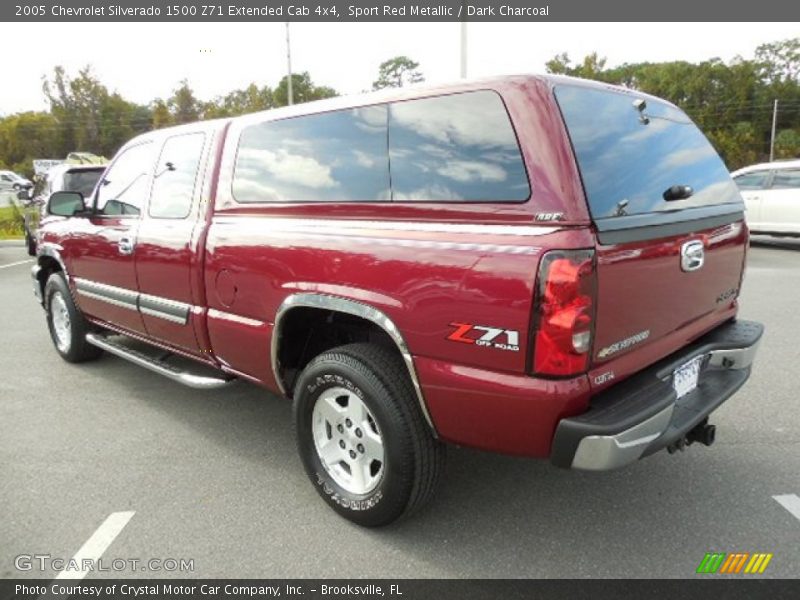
[643, 415]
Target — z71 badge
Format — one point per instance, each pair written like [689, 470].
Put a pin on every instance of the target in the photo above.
[488, 337]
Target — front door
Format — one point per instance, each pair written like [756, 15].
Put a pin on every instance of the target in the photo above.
[104, 271]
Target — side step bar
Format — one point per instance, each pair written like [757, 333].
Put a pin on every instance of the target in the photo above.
[200, 382]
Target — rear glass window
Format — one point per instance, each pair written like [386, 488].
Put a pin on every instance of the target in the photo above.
[334, 156]
[174, 179]
[628, 158]
[786, 179]
[455, 148]
[752, 181]
[82, 181]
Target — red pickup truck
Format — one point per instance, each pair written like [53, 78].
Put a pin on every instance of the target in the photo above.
[538, 266]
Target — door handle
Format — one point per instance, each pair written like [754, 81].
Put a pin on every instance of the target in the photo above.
[125, 246]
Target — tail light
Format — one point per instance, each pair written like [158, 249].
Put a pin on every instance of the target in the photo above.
[565, 311]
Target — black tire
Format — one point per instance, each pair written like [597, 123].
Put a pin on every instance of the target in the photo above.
[74, 348]
[413, 458]
[30, 244]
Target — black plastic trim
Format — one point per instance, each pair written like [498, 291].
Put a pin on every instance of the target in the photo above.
[637, 228]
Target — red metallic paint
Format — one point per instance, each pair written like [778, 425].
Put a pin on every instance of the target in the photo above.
[424, 280]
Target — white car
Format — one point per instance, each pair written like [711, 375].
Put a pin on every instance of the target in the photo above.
[771, 193]
[10, 181]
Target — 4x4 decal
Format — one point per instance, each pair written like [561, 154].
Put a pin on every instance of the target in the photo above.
[488, 337]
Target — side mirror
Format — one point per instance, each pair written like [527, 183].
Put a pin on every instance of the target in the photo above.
[65, 204]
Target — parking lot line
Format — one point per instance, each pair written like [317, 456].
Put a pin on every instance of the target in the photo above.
[97, 544]
[14, 264]
[790, 502]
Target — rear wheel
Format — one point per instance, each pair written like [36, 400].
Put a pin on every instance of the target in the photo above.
[362, 437]
[67, 325]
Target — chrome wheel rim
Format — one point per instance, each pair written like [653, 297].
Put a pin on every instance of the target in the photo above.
[348, 441]
[62, 326]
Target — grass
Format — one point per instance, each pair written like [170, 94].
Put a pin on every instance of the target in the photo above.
[10, 223]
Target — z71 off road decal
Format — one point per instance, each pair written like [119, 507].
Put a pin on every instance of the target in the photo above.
[488, 337]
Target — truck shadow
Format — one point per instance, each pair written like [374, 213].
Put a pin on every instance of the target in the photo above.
[494, 516]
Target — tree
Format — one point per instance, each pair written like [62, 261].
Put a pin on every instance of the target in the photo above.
[591, 68]
[397, 72]
[89, 117]
[303, 90]
[240, 102]
[183, 105]
[787, 144]
[161, 115]
[730, 102]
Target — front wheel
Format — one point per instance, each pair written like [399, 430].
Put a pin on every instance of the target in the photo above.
[67, 325]
[362, 437]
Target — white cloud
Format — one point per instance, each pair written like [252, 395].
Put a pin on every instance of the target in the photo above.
[465, 171]
[364, 159]
[289, 168]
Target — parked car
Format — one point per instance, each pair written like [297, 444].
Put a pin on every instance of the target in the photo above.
[63, 177]
[771, 193]
[539, 266]
[10, 181]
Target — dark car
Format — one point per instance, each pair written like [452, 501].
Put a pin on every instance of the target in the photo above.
[61, 178]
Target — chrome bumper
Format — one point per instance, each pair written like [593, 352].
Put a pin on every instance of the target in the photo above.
[643, 414]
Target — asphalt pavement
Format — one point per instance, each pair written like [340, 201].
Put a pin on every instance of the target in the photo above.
[213, 476]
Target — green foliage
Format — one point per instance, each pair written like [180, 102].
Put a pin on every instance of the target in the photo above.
[396, 72]
[85, 116]
[787, 144]
[731, 102]
[10, 223]
[303, 90]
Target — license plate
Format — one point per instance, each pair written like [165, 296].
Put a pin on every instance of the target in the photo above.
[684, 378]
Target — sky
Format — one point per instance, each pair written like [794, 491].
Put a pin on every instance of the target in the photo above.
[146, 61]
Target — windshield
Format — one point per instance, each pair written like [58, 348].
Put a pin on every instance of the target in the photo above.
[81, 181]
[630, 155]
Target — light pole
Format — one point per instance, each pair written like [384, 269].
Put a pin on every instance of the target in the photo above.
[463, 40]
[289, 66]
[772, 135]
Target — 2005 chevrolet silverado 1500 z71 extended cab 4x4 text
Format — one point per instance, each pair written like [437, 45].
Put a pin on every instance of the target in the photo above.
[538, 266]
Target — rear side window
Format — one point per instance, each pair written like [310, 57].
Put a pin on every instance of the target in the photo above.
[334, 156]
[752, 181]
[175, 175]
[786, 179]
[629, 158]
[457, 148]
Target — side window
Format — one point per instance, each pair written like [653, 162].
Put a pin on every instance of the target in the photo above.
[752, 181]
[5, 177]
[124, 187]
[786, 179]
[455, 148]
[174, 180]
[336, 156]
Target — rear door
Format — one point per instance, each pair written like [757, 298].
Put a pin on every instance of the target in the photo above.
[669, 220]
[165, 251]
[780, 205]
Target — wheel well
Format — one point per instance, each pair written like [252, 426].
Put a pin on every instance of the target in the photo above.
[49, 265]
[308, 332]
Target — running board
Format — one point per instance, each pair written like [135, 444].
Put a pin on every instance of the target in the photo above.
[200, 382]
